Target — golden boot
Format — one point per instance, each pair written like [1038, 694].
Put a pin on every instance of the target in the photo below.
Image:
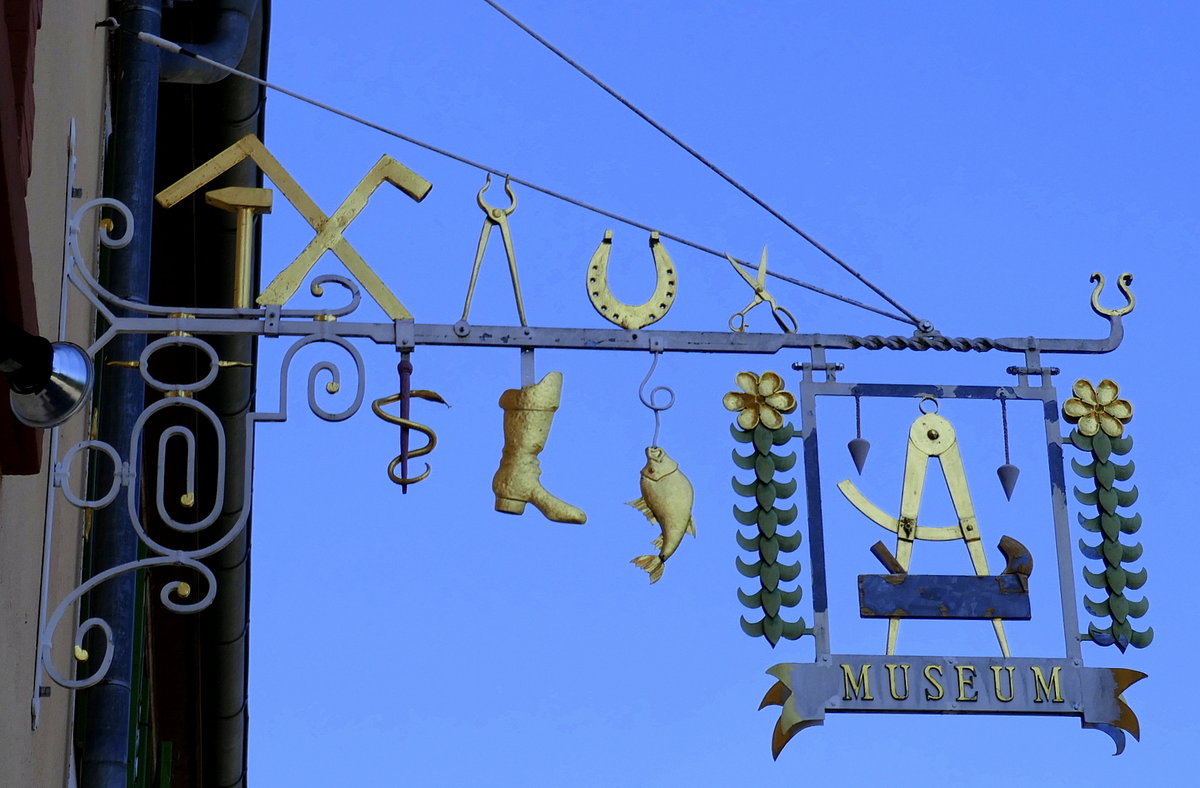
[527, 416]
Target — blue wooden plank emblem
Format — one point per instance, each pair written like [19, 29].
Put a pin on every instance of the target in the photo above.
[944, 596]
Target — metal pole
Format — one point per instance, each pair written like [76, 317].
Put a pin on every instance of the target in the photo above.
[121, 392]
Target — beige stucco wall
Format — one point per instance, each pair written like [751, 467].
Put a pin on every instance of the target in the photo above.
[69, 82]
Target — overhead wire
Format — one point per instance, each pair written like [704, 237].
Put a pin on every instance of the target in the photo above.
[171, 46]
[702, 159]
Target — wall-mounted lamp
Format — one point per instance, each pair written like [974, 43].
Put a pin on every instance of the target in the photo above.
[48, 382]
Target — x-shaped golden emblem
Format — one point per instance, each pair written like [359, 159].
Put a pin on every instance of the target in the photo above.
[329, 229]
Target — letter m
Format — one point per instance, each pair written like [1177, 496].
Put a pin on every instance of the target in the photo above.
[856, 686]
[1043, 689]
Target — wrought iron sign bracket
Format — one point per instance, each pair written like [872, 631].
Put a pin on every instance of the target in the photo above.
[1065, 685]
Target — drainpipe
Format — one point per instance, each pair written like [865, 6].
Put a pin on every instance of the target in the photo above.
[121, 393]
[231, 31]
[227, 622]
[241, 43]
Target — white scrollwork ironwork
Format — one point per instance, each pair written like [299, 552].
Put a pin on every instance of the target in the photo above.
[332, 386]
[62, 475]
[177, 441]
[175, 587]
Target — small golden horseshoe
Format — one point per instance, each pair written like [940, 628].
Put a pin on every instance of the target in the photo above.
[1123, 282]
[627, 315]
[377, 407]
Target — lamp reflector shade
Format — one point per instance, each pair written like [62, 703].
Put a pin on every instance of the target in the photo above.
[64, 393]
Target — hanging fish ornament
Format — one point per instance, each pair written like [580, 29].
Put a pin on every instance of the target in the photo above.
[666, 501]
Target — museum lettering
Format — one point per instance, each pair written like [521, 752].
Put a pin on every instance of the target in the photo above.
[939, 685]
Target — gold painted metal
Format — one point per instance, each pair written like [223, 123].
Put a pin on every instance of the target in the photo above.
[89, 513]
[177, 316]
[1052, 689]
[81, 654]
[136, 364]
[891, 669]
[1097, 408]
[859, 687]
[930, 436]
[329, 229]
[966, 682]
[737, 321]
[528, 412]
[1123, 283]
[628, 315]
[667, 497]
[183, 590]
[377, 408]
[496, 217]
[243, 202]
[1000, 696]
[329, 238]
[934, 683]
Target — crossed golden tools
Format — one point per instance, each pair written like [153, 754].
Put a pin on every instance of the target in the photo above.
[329, 229]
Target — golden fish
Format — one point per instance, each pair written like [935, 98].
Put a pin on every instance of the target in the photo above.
[667, 502]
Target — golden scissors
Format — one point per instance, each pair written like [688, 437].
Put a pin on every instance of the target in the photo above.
[737, 321]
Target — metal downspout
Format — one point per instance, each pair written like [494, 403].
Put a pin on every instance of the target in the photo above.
[121, 392]
[231, 33]
[228, 625]
[225, 626]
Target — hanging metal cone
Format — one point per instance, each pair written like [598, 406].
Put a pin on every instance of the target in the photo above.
[1008, 478]
[858, 452]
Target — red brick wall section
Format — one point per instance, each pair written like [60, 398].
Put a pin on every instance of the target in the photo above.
[23, 18]
[20, 447]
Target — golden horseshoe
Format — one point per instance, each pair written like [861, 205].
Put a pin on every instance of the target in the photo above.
[377, 407]
[1123, 282]
[627, 315]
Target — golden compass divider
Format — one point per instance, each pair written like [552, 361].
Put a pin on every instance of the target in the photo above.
[930, 436]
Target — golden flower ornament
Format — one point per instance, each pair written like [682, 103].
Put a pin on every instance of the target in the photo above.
[1096, 409]
[761, 400]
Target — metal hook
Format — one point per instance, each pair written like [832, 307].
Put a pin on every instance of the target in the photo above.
[648, 401]
[1123, 283]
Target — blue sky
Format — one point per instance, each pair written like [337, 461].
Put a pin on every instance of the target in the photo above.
[978, 161]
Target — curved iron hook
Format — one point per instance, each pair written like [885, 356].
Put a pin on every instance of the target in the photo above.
[648, 401]
[1123, 282]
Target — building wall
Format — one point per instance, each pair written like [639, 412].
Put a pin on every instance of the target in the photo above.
[69, 82]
